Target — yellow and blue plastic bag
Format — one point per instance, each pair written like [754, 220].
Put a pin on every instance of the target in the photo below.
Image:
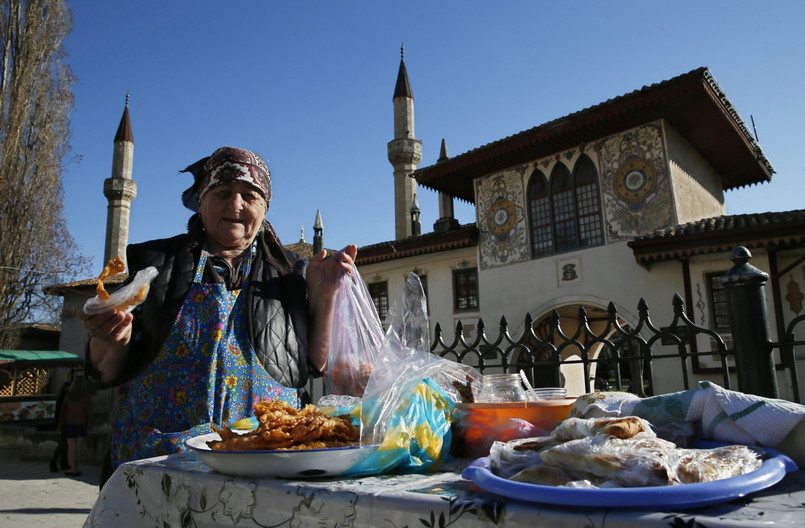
[407, 406]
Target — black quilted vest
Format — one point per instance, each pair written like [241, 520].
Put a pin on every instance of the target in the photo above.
[277, 316]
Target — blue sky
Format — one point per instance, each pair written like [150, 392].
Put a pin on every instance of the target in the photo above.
[308, 85]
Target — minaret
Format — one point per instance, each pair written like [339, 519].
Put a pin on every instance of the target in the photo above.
[318, 230]
[446, 221]
[120, 190]
[416, 225]
[404, 151]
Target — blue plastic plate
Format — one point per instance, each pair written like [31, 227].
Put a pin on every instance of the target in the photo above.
[695, 495]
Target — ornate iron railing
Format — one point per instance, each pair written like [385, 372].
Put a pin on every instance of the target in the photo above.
[616, 345]
[643, 346]
[627, 357]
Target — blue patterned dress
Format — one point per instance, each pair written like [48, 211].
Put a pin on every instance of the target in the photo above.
[205, 373]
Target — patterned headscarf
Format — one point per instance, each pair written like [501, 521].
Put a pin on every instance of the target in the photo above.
[233, 164]
[226, 164]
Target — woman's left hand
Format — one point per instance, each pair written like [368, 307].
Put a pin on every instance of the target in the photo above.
[323, 271]
[322, 283]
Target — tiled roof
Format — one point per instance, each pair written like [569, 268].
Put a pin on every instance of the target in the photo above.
[305, 249]
[693, 103]
[84, 284]
[403, 87]
[461, 237]
[124, 128]
[718, 234]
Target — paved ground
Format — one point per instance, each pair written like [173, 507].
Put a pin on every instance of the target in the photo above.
[33, 497]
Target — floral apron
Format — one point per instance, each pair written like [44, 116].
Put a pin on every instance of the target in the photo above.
[206, 373]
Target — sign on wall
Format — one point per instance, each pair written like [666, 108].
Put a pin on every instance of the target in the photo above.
[568, 271]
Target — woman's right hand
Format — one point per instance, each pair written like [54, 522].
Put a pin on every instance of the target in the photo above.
[112, 327]
[110, 334]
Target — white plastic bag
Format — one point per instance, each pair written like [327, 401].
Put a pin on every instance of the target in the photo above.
[127, 297]
[356, 335]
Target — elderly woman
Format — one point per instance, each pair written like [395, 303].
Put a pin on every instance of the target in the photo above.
[232, 318]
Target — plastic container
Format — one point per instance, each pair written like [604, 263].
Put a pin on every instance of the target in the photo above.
[478, 425]
[547, 393]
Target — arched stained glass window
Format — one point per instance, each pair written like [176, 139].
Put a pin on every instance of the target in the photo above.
[588, 204]
[539, 208]
[565, 211]
[564, 215]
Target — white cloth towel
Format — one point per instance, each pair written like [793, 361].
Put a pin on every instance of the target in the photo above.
[730, 416]
[720, 414]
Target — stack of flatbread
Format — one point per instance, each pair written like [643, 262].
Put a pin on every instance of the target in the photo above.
[614, 452]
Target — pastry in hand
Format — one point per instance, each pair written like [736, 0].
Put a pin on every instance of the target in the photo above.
[126, 298]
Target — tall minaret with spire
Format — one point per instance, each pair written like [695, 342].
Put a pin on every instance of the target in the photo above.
[120, 190]
[405, 153]
[318, 234]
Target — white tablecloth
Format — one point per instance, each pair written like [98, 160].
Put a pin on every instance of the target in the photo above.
[179, 490]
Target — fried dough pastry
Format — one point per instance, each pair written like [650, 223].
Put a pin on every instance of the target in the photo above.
[642, 460]
[534, 444]
[507, 458]
[112, 267]
[624, 427]
[608, 452]
[282, 426]
[135, 300]
[621, 427]
[707, 465]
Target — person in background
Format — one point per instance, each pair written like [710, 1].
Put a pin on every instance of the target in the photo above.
[59, 458]
[232, 318]
[75, 421]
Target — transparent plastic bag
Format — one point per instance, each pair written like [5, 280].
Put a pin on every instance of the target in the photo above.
[126, 298]
[410, 399]
[588, 453]
[404, 359]
[408, 404]
[509, 457]
[356, 335]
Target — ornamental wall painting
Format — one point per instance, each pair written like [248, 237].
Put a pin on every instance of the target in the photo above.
[636, 187]
[501, 218]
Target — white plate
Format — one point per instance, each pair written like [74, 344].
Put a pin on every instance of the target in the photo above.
[306, 463]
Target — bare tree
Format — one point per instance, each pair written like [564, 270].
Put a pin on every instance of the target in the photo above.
[36, 249]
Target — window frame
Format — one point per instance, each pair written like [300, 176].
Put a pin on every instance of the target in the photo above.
[381, 302]
[585, 178]
[575, 211]
[539, 220]
[717, 297]
[468, 272]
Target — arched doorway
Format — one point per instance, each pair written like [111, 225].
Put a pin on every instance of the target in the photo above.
[606, 369]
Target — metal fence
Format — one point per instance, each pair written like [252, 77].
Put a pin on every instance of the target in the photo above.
[623, 357]
[626, 357]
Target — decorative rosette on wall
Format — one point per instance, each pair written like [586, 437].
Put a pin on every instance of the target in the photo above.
[501, 218]
[636, 186]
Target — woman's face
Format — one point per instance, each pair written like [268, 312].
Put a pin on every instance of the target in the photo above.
[232, 214]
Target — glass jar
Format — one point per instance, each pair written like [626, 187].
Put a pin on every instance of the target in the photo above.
[499, 388]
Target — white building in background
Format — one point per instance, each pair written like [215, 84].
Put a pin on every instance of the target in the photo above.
[618, 202]
[615, 203]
